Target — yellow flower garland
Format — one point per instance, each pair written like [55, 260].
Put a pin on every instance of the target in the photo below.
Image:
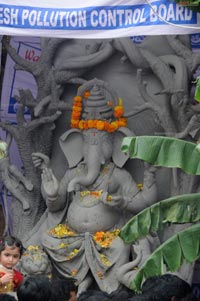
[100, 125]
[61, 230]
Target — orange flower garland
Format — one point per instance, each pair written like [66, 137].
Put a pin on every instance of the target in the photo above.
[96, 193]
[105, 239]
[101, 125]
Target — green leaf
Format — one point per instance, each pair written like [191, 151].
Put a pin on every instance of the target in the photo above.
[138, 279]
[197, 91]
[143, 222]
[180, 209]
[189, 244]
[164, 151]
[172, 252]
[154, 266]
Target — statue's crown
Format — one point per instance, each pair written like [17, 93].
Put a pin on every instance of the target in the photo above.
[93, 109]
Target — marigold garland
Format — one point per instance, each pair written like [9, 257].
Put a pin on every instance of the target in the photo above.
[101, 125]
[61, 230]
[100, 274]
[74, 272]
[33, 248]
[96, 193]
[62, 245]
[105, 260]
[140, 186]
[72, 254]
[105, 239]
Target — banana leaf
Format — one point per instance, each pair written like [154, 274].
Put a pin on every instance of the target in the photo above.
[184, 246]
[164, 151]
[179, 209]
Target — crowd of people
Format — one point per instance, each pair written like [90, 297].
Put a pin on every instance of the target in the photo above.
[13, 286]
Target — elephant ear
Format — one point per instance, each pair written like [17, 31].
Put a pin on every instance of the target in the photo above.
[120, 158]
[71, 144]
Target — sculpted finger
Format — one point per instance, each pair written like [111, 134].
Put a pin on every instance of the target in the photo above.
[37, 162]
[48, 174]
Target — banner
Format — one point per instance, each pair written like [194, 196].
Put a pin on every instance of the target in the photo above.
[95, 19]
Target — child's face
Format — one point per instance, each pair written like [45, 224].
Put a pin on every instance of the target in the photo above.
[9, 257]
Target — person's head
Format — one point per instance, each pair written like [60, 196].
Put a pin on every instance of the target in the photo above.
[7, 297]
[34, 288]
[121, 295]
[142, 297]
[94, 295]
[11, 250]
[63, 290]
[167, 287]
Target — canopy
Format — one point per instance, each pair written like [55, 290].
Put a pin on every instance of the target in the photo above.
[95, 19]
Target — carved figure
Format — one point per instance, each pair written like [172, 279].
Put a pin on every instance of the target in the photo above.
[35, 262]
[13, 180]
[95, 197]
[155, 82]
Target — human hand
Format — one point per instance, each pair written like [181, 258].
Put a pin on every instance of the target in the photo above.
[8, 277]
[49, 182]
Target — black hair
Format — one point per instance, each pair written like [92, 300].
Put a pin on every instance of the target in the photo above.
[11, 241]
[61, 289]
[34, 288]
[122, 294]
[7, 297]
[166, 286]
[94, 295]
[142, 297]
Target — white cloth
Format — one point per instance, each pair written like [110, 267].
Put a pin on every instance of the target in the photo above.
[101, 19]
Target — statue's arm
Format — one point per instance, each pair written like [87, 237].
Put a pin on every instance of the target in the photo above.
[134, 198]
[121, 190]
[54, 192]
[149, 189]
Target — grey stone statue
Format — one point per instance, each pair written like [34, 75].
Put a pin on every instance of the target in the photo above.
[94, 198]
[35, 261]
[88, 191]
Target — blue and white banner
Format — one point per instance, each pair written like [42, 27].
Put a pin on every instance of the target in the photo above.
[95, 19]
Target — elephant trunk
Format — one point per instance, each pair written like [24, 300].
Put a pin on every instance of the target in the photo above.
[94, 167]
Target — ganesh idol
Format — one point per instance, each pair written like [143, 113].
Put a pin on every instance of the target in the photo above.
[96, 196]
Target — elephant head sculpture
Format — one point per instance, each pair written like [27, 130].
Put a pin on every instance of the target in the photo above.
[96, 139]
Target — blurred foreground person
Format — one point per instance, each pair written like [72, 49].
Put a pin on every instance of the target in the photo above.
[7, 297]
[34, 288]
[166, 287]
[63, 290]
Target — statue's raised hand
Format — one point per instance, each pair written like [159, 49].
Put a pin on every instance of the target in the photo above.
[50, 183]
[40, 160]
